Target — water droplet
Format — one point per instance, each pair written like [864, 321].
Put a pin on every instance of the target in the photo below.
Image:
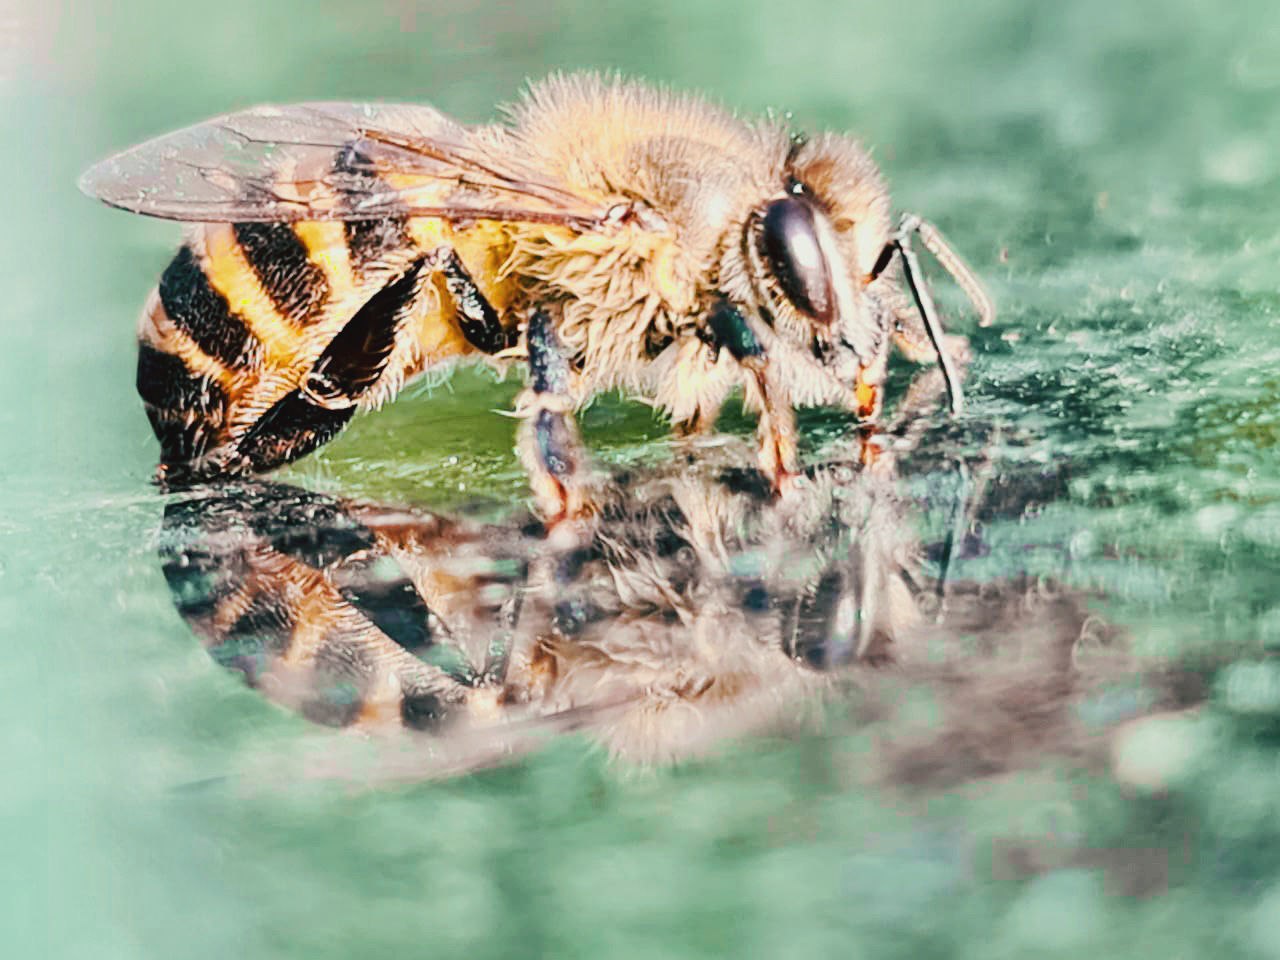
[1251, 688]
[1061, 909]
[1157, 752]
[1269, 630]
[1264, 930]
[1213, 521]
[1083, 544]
[1239, 163]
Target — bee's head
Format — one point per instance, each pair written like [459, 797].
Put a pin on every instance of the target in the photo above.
[814, 246]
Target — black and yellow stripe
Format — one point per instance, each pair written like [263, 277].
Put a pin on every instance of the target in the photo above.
[333, 612]
[281, 261]
[369, 241]
[264, 338]
[202, 312]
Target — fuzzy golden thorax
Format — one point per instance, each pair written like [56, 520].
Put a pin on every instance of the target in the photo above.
[692, 183]
[655, 242]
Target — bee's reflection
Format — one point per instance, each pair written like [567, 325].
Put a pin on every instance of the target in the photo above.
[690, 605]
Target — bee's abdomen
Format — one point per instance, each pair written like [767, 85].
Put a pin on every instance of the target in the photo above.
[243, 316]
[202, 312]
[279, 259]
[189, 349]
[186, 409]
[263, 339]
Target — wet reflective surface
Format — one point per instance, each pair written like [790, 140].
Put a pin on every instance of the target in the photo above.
[689, 606]
[1110, 172]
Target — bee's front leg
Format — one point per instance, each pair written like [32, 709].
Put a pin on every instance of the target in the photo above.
[777, 454]
[940, 346]
[776, 434]
[548, 441]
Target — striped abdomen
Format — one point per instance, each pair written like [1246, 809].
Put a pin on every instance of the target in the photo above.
[263, 339]
[350, 614]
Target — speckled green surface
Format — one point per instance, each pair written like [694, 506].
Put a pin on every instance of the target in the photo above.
[1112, 170]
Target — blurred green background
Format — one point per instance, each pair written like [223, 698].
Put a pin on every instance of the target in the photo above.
[1111, 169]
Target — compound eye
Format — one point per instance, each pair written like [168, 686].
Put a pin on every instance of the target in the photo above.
[827, 628]
[796, 257]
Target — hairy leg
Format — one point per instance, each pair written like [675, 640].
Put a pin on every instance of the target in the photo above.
[548, 441]
[729, 330]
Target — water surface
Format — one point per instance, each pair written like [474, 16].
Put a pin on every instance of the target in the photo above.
[1111, 169]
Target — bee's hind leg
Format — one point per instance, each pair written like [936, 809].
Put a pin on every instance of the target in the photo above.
[548, 441]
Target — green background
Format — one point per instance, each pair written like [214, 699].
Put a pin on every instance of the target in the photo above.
[1110, 168]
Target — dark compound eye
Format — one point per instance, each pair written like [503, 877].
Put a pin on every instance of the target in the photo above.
[826, 628]
[796, 258]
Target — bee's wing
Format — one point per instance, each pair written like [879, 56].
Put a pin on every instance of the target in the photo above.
[333, 161]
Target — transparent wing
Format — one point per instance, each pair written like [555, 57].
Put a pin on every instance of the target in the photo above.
[333, 161]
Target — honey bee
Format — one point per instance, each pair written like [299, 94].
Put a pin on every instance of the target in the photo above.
[612, 235]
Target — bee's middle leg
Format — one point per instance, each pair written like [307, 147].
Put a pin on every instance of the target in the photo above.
[548, 441]
[777, 435]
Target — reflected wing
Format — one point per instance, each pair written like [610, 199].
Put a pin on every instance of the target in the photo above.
[334, 161]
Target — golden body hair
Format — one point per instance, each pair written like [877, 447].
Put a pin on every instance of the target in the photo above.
[669, 248]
